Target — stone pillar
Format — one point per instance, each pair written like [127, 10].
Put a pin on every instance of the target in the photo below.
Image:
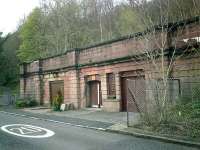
[118, 86]
[103, 87]
[22, 87]
[78, 90]
[22, 80]
[46, 91]
[37, 89]
[113, 105]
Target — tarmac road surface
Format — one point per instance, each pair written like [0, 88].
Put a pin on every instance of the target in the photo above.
[65, 137]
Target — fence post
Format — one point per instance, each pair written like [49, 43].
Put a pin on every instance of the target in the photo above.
[127, 104]
[127, 118]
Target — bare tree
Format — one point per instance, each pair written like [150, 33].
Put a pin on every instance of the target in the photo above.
[160, 40]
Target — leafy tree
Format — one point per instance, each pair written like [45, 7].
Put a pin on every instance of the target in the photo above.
[32, 37]
[2, 40]
[9, 74]
[60, 25]
[127, 21]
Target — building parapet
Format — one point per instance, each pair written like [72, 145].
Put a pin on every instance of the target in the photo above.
[118, 50]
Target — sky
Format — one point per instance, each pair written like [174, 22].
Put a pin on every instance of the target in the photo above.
[11, 11]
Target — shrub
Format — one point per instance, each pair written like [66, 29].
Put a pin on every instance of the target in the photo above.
[32, 103]
[182, 117]
[20, 103]
[186, 115]
[57, 102]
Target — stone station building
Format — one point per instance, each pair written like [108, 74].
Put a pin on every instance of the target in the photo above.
[96, 76]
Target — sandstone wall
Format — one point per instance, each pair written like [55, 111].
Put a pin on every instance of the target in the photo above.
[112, 57]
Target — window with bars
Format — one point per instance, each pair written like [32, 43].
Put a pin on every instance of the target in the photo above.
[111, 90]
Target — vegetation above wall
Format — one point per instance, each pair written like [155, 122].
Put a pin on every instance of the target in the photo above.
[58, 26]
[9, 74]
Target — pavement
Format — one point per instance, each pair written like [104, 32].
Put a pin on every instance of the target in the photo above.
[93, 114]
[70, 137]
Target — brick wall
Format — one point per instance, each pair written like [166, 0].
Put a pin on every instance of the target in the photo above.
[70, 87]
[181, 36]
[128, 47]
[187, 70]
[32, 67]
[73, 68]
[63, 61]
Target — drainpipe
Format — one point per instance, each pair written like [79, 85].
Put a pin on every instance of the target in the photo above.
[98, 95]
[77, 52]
[41, 85]
[24, 79]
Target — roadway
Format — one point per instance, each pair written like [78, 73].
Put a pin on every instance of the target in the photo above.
[68, 137]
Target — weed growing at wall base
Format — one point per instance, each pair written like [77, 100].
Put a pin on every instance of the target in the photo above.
[22, 103]
[57, 101]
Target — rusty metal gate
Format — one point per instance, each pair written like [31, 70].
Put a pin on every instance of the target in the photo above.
[143, 96]
[136, 99]
[7, 98]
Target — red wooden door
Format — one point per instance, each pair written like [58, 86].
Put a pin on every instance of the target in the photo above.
[124, 93]
[55, 87]
[95, 94]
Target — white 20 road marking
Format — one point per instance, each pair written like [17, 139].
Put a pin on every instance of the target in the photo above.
[28, 131]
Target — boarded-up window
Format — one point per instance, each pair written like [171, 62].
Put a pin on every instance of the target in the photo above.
[111, 91]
